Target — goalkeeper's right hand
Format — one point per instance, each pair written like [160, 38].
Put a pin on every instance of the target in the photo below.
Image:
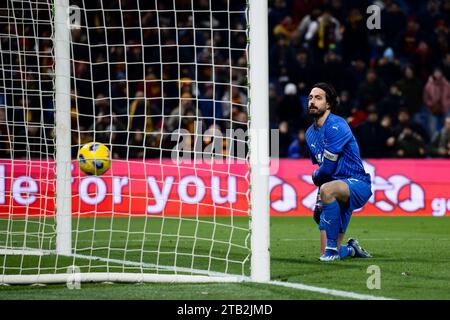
[317, 212]
[317, 208]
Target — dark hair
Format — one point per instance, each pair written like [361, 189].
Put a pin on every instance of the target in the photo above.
[330, 94]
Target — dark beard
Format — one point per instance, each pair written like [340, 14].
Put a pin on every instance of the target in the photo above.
[317, 114]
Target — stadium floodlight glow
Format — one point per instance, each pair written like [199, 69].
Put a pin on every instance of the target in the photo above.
[179, 203]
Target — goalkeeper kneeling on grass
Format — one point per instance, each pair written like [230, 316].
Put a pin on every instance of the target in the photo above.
[343, 184]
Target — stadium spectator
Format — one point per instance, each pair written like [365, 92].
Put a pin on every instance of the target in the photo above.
[152, 84]
[290, 109]
[301, 73]
[5, 146]
[386, 124]
[141, 117]
[214, 142]
[303, 8]
[409, 144]
[423, 60]
[136, 145]
[307, 26]
[446, 10]
[371, 136]
[118, 135]
[411, 90]
[285, 139]
[372, 89]
[431, 16]
[324, 34]
[184, 109]
[273, 106]
[285, 28]
[281, 55]
[355, 42]
[392, 18]
[355, 73]
[238, 145]
[440, 144]
[446, 65]
[277, 11]
[345, 108]
[101, 129]
[239, 118]
[404, 120]
[210, 108]
[236, 100]
[408, 40]
[332, 69]
[441, 38]
[388, 67]
[391, 103]
[436, 96]
[339, 8]
[357, 116]
[102, 104]
[298, 147]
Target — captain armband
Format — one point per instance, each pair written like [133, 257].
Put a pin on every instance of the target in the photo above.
[330, 156]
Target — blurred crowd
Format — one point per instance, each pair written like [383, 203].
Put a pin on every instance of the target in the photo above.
[149, 73]
[393, 82]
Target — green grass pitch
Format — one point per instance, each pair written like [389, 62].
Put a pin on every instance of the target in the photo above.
[412, 254]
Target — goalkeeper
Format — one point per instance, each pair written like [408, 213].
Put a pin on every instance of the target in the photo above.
[343, 184]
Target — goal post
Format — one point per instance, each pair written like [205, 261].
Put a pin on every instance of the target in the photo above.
[178, 91]
[259, 142]
[62, 128]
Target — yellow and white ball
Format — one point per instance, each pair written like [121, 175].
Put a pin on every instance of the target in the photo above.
[94, 158]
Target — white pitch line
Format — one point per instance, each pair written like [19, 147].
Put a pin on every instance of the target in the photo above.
[332, 292]
[375, 239]
[299, 286]
[292, 285]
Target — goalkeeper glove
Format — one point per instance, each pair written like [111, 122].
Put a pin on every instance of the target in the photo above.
[315, 179]
[317, 209]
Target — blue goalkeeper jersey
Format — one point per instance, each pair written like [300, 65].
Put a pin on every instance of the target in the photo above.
[335, 141]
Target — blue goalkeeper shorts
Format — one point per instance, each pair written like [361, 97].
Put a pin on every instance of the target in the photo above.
[360, 193]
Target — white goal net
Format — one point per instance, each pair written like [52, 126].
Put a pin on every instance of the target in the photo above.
[165, 85]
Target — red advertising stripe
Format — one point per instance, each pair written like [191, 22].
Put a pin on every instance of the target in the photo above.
[400, 187]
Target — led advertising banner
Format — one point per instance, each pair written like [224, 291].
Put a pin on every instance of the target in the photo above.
[400, 187]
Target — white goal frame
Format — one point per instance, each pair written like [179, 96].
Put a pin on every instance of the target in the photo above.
[259, 163]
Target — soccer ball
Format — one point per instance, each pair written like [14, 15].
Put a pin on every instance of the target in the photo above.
[94, 158]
